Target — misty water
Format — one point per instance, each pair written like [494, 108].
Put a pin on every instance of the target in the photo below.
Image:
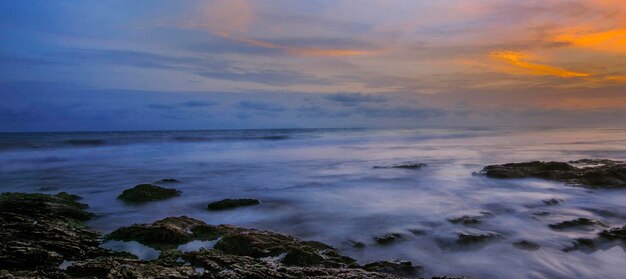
[321, 185]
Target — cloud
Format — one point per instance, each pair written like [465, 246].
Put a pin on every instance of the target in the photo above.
[402, 112]
[260, 106]
[187, 104]
[353, 99]
[515, 58]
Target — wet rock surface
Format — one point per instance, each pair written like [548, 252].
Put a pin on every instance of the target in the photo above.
[577, 223]
[399, 268]
[475, 237]
[387, 238]
[402, 166]
[38, 232]
[170, 232]
[232, 203]
[42, 237]
[615, 233]
[143, 193]
[585, 172]
[466, 220]
[526, 245]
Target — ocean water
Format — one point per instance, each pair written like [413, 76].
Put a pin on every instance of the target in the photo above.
[321, 185]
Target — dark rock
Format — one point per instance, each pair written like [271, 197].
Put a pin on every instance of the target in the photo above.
[582, 243]
[590, 173]
[259, 244]
[466, 238]
[576, 223]
[147, 192]
[167, 180]
[170, 232]
[552, 201]
[466, 220]
[387, 238]
[356, 244]
[218, 264]
[232, 203]
[526, 245]
[128, 268]
[615, 233]
[398, 268]
[38, 232]
[402, 166]
[417, 232]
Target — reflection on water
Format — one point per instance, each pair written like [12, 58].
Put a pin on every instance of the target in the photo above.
[321, 185]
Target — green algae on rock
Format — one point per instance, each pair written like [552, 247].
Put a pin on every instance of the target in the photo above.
[170, 232]
[585, 172]
[143, 193]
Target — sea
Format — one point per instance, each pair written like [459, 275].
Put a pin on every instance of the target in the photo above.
[333, 186]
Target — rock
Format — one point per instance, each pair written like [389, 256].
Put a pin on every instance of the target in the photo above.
[576, 223]
[258, 244]
[466, 238]
[398, 268]
[232, 203]
[402, 166]
[466, 220]
[582, 243]
[218, 264]
[586, 172]
[356, 244]
[615, 233]
[552, 201]
[170, 232]
[526, 245]
[38, 231]
[147, 192]
[128, 268]
[167, 180]
[387, 238]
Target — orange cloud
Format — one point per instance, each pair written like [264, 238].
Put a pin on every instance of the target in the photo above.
[515, 58]
[612, 40]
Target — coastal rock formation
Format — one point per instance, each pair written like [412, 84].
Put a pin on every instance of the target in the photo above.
[577, 223]
[387, 238]
[586, 172]
[402, 166]
[615, 233]
[143, 193]
[170, 232]
[38, 232]
[473, 237]
[232, 203]
[526, 245]
[42, 236]
[399, 268]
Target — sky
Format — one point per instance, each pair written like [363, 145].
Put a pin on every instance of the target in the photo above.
[235, 64]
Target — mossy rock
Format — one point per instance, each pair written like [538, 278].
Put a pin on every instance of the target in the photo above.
[62, 204]
[147, 192]
[232, 203]
[169, 232]
[586, 172]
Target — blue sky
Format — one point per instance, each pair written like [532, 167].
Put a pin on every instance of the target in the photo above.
[144, 65]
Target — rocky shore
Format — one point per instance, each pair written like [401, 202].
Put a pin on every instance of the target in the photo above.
[589, 173]
[42, 236]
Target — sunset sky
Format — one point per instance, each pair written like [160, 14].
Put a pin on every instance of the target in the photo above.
[119, 65]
